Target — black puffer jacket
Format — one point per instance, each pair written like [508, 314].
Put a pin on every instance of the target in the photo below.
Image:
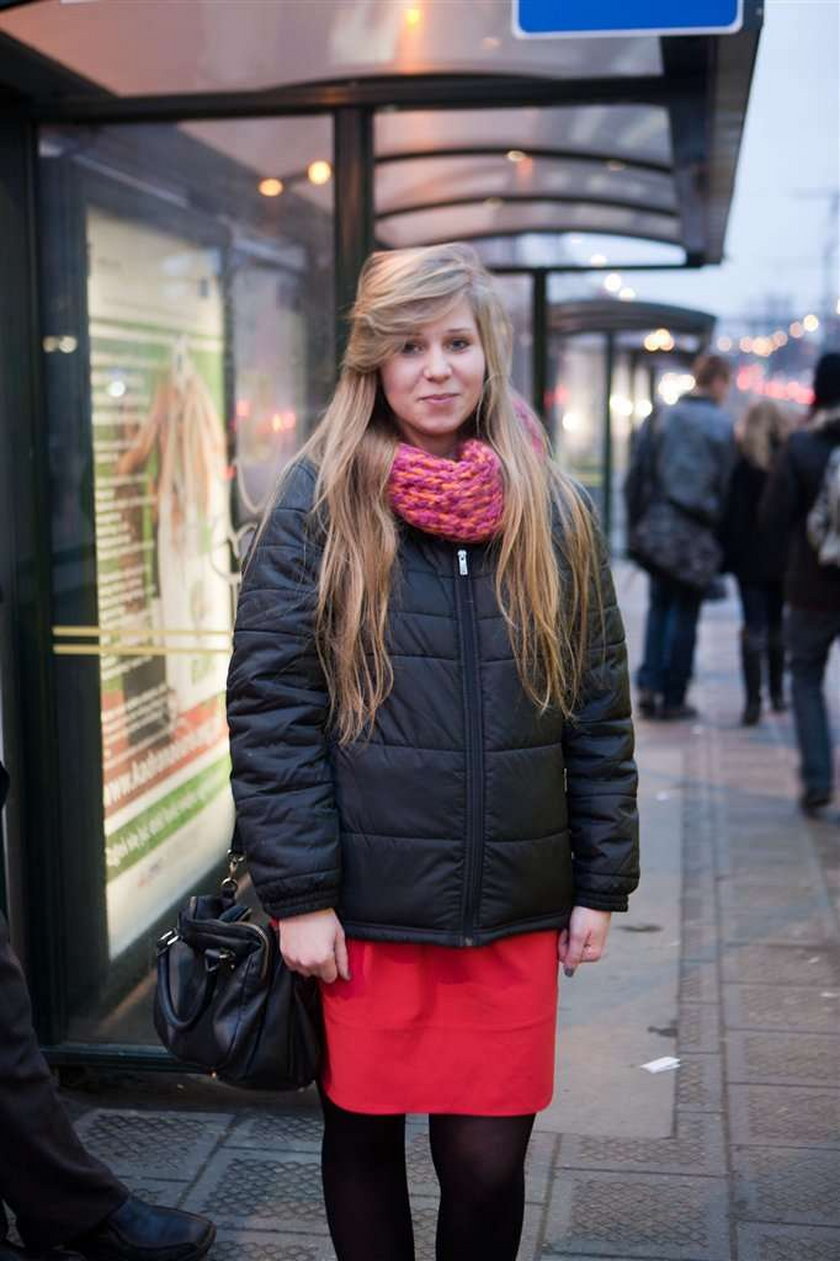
[452, 824]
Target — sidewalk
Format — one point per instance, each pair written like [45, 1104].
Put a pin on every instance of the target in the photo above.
[730, 959]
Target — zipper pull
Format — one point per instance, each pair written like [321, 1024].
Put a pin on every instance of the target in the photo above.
[463, 568]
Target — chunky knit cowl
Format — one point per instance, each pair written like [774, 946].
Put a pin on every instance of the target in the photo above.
[462, 500]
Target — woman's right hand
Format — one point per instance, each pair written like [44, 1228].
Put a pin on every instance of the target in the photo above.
[315, 945]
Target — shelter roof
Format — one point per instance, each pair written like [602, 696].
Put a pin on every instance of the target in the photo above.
[478, 134]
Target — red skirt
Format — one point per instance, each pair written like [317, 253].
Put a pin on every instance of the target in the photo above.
[433, 1029]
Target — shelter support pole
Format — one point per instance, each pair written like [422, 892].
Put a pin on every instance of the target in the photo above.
[353, 172]
[539, 342]
[607, 456]
[26, 660]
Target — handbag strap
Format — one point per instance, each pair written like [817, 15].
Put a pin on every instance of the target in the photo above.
[230, 885]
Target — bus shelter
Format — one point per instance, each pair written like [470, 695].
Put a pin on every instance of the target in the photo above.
[187, 192]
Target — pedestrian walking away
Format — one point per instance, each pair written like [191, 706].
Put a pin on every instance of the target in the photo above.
[755, 558]
[690, 453]
[61, 1195]
[432, 753]
[802, 506]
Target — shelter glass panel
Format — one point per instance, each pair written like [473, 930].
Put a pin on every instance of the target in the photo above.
[188, 351]
[516, 292]
[577, 407]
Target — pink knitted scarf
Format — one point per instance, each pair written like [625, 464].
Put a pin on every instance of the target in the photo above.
[462, 500]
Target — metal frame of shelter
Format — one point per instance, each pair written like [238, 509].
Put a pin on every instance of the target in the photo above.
[704, 87]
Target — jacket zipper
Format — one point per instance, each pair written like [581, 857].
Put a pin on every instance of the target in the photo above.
[474, 749]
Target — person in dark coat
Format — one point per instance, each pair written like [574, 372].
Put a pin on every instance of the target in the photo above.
[757, 563]
[432, 753]
[59, 1193]
[812, 587]
[693, 460]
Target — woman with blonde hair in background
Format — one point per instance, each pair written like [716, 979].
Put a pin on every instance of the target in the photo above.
[432, 753]
[757, 562]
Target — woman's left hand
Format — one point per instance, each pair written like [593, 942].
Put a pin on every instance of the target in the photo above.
[585, 938]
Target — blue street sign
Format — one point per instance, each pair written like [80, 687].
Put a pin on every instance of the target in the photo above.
[626, 17]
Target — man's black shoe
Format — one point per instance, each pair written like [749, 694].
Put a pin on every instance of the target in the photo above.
[812, 802]
[677, 713]
[646, 702]
[138, 1231]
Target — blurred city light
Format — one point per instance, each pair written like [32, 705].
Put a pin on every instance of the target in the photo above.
[413, 16]
[627, 294]
[661, 339]
[810, 323]
[613, 282]
[516, 155]
[319, 172]
[271, 187]
[674, 384]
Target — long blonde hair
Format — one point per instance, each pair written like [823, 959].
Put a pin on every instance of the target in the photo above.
[762, 429]
[546, 606]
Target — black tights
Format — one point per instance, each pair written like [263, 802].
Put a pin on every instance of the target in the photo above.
[480, 1164]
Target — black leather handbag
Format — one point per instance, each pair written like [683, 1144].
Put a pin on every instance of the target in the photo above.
[226, 1003]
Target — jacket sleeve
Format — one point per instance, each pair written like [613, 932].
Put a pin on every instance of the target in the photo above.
[278, 706]
[600, 770]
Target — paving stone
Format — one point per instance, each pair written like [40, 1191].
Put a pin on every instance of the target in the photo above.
[424, 1214]
[700, 1083]
[241, 1190]
[758, 1242]
[698, 907]
[784, 1116]
[697, 1147]
[156, 1190]
[160, 1145]
[700, 941]
[294, 1131]
[781, 1007]
[253, 1245]
[804, 1059]
[699, 1028]
[783, 965]
[699, 983]
[700, 883]
[638, 1215]
[785, 1184]
[794, 923]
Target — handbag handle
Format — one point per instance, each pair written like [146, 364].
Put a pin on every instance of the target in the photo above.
[183, 1023]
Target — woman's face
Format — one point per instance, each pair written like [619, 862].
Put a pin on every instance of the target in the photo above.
[433, 384]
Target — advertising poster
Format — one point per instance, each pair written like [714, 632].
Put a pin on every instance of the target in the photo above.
[165, 586]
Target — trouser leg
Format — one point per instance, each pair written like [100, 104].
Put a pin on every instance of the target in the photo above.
[753, 646]
[680, 643]
[776, 654]
[54, 1187]
[650, 675]
[810, 634]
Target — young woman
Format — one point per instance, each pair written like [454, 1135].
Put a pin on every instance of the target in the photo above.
[755, 558]
[432, 753]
